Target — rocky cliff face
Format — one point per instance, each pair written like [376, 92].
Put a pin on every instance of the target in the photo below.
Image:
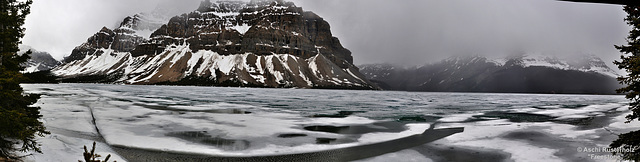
[521, 74]
[133, 31]
[259, 43]
[258, 27]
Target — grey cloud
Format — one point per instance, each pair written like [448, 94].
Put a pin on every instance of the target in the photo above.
[422, 31]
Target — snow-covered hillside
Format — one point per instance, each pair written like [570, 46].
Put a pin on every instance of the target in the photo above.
[247, 68]
[267, 43]
[585, 63]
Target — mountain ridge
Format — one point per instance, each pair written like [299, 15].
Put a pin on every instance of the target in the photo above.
[258, 43]
[522, 74]
[39, 61]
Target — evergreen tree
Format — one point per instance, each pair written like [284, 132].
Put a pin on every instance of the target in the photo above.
[631, 64]
[18, 120]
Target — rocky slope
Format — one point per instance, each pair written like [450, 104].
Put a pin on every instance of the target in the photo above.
[521, 74]
[40, 61]
[258, 43]
[133, 31]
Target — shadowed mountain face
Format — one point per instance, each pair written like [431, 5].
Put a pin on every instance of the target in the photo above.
[39, 61]
[267, 43]
[528, 74]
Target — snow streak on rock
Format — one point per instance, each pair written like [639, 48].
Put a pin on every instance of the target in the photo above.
[258, 43]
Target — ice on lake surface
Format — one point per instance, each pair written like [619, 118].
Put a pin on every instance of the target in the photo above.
[245, 122]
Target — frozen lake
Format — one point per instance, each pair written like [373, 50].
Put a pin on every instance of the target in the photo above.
[132, 122]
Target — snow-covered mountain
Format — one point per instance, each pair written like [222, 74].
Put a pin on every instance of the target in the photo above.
[39, 61]
[144, 24]
[523, 73]
[584, 63]
[267, 43]
[132, 31]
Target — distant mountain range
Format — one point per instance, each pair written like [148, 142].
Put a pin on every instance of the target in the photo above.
[40, 61]
[530, 73]
[262, 43]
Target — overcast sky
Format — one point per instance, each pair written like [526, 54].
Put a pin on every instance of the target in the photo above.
[409, 32]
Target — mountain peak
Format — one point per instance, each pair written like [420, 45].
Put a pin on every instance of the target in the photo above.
[221, 6]
[528, 73]
[579, 62]
[143, 24]
[39, 60]
[584, 62]
[268, 43]
[464, 59]
[259, 27]
[228, 8]
[105, 29]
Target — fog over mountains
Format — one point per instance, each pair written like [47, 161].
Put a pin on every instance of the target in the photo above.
[532, 73]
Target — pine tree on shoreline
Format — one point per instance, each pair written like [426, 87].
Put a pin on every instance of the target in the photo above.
[19, 122]
[631, 64]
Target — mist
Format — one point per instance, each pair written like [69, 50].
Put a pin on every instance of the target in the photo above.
[59, 26]
[415, 32]
[408, 32]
